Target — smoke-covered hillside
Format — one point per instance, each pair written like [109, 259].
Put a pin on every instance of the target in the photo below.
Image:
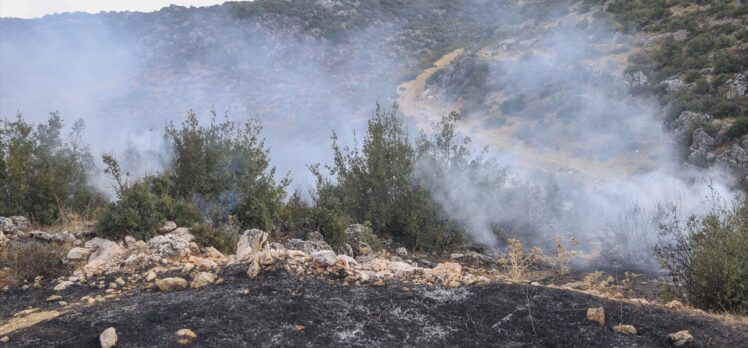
[430, 144]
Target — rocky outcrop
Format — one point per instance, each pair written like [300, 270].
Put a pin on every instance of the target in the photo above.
[13, 224]
[167, 227]
[252, 241]
[170, 246]
[636, 80]
[737, 86]
[307, 246]
[672, 84]
[687, 120]
[701, 145]
[102, 252]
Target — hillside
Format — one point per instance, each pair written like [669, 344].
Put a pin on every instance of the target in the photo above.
[374, 173]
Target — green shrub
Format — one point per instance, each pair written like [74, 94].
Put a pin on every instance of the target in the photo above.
[707, 258]
[142, 207]
[224, 169]
[739, 128]
[222, 238]
[42, 176]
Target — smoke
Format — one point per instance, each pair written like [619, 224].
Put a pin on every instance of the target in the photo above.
[585, 158]
[576, 155]
[129, 74]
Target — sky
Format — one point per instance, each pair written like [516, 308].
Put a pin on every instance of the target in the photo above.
[39, 8]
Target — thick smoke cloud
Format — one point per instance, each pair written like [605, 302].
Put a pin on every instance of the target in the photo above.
[586, 159]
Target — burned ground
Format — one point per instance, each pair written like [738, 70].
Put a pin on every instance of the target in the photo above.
[281, 310]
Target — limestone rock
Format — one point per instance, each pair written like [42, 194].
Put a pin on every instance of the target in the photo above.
[737, 86]
[315, 236]
[307, 246]
[213, 253]
[401, 251]
[625, 329]
[77, 254]
[636, 80]
[323, 258]
[251, 241]
[171, 284]
[203, 279]
[170, 246]
[63, 285]
[108, 338]
[596, 314]
[184, 233]
[167, 227]
[680, 338]
[186, 336]
[3, 239]
[446, 273]
[674, 304]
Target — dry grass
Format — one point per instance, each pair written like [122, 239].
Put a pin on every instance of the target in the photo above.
[26, 259]
[521, 263]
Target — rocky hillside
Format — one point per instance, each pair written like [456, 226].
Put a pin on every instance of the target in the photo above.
[170, 292]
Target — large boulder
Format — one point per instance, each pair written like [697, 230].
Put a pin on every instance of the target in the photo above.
[252, 241]
[167, 227]
[77, 254]
[184, 233]
[307, 246]
[103, 252]
[447, 273]
[170, 246]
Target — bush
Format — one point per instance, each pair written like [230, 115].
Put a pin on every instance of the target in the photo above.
[30, 258]
[40, 175]
[376, 183]
[142, 207]
[224, 169]
[707, 258]
[739, 128]
[222, 238]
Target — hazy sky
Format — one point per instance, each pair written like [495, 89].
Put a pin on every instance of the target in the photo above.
[38, 8]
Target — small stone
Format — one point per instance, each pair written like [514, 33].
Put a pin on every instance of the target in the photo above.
[625, 329]
[171, 284]
[63, 285]
[120, 281]
[112, 285]
[596, 314]
[62, 303]
[401, 251]
[108, 338]
[5, 339]
[680, 338]
[186, 336]
[674, 304]
[298, 328]
[151, 276]
[54, 298]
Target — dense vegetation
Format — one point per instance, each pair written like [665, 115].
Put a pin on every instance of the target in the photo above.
[712, 51]
[708, 257]
[41, 175]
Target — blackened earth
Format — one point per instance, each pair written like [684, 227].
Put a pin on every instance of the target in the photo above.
[281, 310]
